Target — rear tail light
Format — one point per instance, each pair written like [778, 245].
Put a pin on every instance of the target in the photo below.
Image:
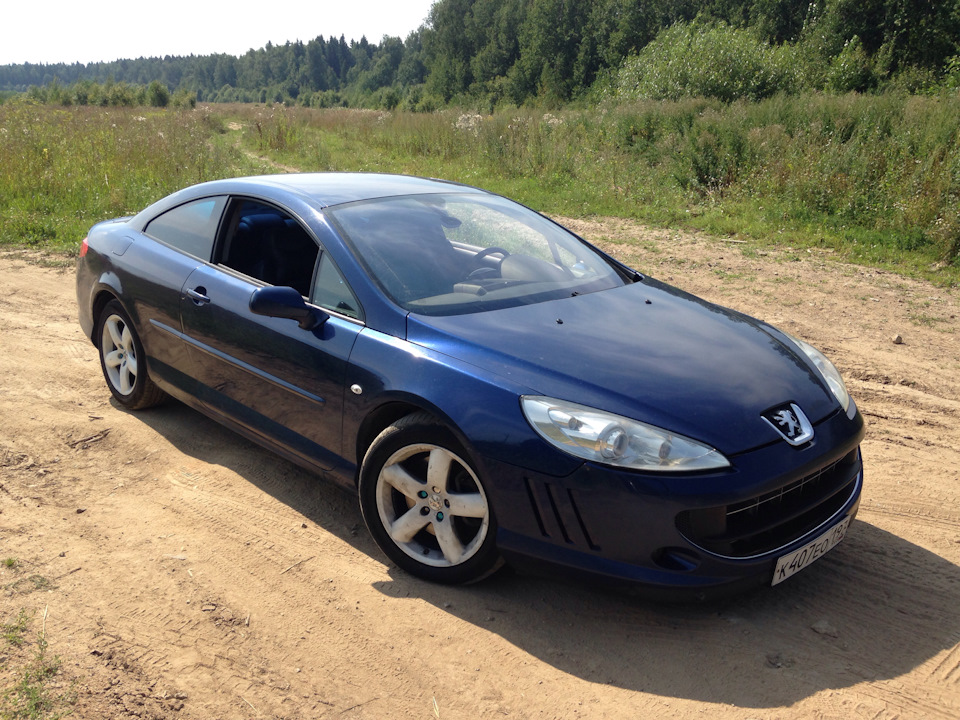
[84, 246]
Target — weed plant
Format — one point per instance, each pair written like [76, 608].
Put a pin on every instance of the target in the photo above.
[33, 693]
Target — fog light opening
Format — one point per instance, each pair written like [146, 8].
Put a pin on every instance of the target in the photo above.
[676, 559]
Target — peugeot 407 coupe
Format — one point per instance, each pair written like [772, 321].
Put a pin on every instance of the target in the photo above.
[492, 387]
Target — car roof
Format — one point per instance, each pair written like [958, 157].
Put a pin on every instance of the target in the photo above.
[307, 190]
[327, 189]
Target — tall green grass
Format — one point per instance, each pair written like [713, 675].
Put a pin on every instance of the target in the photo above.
[875, 177]
[62, 169]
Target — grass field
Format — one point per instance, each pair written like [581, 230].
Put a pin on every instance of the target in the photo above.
[875, 178]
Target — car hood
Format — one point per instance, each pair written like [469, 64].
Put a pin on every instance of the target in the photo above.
[646, 351]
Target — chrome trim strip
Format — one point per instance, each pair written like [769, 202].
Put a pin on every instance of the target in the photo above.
[229, 359]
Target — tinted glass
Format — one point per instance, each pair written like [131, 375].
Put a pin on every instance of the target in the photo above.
[190, 228]
[266, 243]
[332, 292]
[458, 253]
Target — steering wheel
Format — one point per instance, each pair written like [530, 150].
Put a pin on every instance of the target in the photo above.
[492, 250]
[481, 270]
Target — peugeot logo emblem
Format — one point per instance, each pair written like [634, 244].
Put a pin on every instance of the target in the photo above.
[790, 422]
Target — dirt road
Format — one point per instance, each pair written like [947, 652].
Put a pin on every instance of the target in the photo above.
[180, 572]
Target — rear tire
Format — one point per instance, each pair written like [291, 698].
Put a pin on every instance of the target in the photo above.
[123, 361]
[425, 504]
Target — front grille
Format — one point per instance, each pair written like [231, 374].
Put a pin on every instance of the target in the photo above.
[776, 518]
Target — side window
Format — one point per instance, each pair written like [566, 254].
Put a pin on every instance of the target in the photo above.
[332, 292]
[190, 228]
[267, 244]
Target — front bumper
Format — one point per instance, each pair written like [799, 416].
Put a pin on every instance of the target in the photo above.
[682, 536]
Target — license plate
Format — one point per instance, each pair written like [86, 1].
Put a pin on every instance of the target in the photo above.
[799, 559]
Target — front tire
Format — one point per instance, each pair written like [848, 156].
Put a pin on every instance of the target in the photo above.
[425, 504]
[122, 360]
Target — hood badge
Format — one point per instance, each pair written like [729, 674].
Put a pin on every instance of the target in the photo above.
[788, 420]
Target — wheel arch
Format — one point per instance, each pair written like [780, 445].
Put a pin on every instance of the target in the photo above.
[100, 300]
[386, 414]
[137, 393]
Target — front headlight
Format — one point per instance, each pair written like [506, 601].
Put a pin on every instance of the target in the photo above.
[613, 440]
[827, 370]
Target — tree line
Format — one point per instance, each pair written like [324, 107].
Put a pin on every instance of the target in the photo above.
[491, 52]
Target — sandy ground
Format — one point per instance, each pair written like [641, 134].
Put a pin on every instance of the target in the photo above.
[180, 572]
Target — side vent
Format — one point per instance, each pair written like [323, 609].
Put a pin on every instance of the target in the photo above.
[557, 514]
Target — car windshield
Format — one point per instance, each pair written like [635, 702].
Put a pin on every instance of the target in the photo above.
[459, 253]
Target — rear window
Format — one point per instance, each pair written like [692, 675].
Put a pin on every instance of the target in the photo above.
[191, 228]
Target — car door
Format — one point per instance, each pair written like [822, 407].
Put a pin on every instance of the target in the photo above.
[268, 374]
[180, 240]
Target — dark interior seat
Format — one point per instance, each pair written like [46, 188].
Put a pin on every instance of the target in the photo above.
[273, 249]
[253, 234]
[294, 254]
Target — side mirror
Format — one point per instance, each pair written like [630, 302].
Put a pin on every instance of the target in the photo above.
[285, 302]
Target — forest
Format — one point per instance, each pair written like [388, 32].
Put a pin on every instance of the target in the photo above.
[487, 54]
[830, 125]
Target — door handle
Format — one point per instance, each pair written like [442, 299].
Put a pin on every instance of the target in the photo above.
[198, 295]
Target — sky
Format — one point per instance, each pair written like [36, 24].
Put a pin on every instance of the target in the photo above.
[54, 31]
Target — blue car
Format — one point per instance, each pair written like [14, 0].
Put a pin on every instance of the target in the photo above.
[495, 389]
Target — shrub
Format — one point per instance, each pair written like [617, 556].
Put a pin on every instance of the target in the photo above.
[707, 60]
[951, 78]
[184, 99]
[157, 94]
[851, 70]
